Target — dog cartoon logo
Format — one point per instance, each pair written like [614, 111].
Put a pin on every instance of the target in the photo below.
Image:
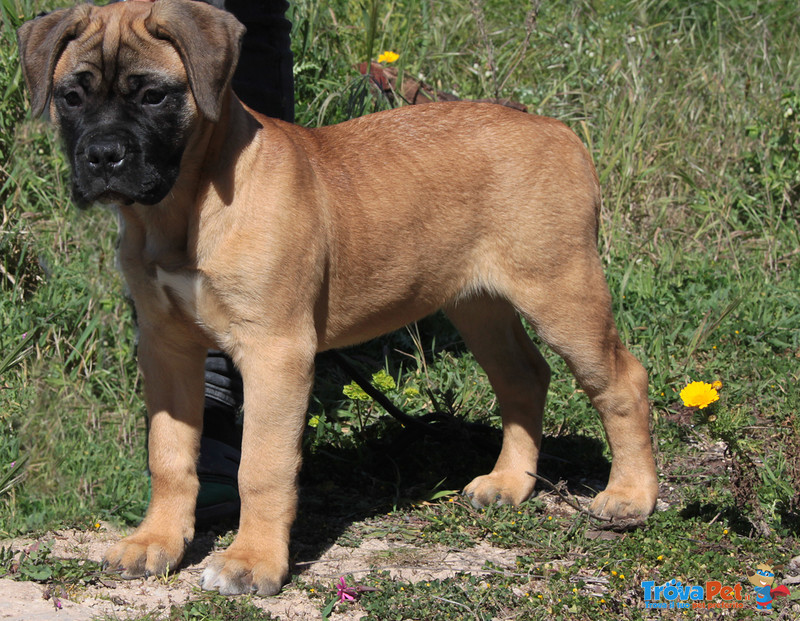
[762, 580]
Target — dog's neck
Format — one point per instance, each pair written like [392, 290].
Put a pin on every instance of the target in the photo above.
[236, 129]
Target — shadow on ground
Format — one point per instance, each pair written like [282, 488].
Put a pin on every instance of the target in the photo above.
[391, 467]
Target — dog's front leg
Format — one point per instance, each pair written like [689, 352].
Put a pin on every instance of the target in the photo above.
[278, 376]
[173, 375]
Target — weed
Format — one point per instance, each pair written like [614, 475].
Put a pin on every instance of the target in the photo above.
[64, 577]
[210, 607]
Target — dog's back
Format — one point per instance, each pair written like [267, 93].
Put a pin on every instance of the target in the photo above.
[513, 191]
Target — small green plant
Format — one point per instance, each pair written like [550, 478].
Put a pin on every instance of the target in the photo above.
[210, 607]
[63, 578]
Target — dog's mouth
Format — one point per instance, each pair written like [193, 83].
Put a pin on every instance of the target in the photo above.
[114, 198]
[111, 194]
[136, 183]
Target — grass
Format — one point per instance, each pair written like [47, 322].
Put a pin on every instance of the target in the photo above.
[692, 113]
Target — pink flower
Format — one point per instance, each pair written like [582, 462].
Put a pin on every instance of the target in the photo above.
[345, 593]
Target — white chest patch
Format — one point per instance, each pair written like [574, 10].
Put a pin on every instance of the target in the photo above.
[190, 292]
[181, 288]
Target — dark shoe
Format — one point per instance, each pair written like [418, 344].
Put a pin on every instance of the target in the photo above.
[217, 469]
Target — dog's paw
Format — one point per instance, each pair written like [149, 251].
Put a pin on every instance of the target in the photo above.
[144, 554]
[502, 488]
[234, 572]
[625, 502]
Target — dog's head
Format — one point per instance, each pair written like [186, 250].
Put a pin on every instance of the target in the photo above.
[127, 84]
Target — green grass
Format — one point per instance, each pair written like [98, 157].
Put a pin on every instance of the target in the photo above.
[692, 113]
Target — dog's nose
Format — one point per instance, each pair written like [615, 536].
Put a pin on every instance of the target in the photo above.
[104, 156]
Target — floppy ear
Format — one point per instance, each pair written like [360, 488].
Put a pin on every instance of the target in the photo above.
[208, 41]
[41, 42]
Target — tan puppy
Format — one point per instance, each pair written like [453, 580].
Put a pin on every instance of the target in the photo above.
[274, 242]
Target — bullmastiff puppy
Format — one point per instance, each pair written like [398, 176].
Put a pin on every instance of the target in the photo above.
[274, 242]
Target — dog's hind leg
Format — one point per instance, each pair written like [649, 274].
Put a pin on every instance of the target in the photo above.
[519, 376]
[570, 309]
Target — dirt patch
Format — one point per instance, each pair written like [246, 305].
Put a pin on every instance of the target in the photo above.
[118, 599]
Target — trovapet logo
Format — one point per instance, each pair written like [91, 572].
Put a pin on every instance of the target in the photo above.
[712, 594]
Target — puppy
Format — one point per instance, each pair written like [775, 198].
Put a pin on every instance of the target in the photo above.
[274, 242]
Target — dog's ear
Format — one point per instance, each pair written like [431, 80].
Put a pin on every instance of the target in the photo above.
[208, 41]
[41, 42]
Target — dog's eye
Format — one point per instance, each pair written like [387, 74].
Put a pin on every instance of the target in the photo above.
[153, 97]
[73, 99]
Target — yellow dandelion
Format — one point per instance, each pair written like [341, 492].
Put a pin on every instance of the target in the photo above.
[716, 385]
[660, 557]
[699, 395]
[725, 532]
[388, 57]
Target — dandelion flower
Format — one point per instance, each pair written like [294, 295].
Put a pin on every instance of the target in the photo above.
[699, 395]
[388, 57]
[716, 385]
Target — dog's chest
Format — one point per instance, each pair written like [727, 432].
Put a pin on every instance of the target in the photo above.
[169, 291]
[178, 299]
[188, 295]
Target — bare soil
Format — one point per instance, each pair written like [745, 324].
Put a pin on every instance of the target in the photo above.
[118, 599]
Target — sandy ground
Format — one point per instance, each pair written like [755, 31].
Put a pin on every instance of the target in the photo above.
[28, 601]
